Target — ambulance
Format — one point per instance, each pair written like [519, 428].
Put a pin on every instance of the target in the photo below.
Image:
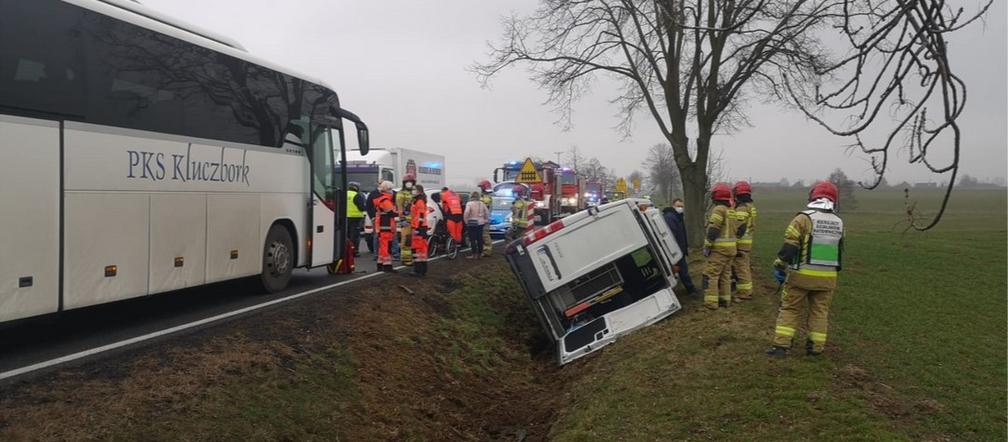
[598, 274]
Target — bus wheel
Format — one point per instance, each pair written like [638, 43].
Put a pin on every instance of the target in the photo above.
[278, 260]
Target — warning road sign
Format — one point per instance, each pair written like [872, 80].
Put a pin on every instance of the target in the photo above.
[528, 173]
[621, 185]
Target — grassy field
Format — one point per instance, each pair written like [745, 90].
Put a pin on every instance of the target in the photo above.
[917, 350]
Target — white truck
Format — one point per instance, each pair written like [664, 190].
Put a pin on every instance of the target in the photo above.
[598, 274]
[392, 164]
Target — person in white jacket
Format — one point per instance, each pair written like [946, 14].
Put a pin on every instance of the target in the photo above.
[476, 215]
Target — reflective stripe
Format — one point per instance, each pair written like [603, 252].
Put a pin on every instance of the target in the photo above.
[818, 338]
[710, 297]
[785, 331]
[746, 286]
[821, 273]
[745, 241]
[792, 232]
[724, 242]
[715, 219]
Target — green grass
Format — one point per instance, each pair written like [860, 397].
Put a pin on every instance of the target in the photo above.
[917, 351]
[918, 335]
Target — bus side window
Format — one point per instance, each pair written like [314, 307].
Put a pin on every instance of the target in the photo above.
[387, 175]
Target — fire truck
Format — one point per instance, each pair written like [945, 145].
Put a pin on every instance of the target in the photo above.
[544, 180]
[592, 193]
[572, 191]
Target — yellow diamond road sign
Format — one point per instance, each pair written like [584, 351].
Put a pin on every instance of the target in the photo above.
[528, 173]
[621, 185]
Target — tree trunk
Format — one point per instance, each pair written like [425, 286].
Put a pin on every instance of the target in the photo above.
[694, 180]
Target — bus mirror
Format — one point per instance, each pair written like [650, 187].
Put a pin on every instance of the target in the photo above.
[362, 139]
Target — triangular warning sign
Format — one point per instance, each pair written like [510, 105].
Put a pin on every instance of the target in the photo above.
[528, 173]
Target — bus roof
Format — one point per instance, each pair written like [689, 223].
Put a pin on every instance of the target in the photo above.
[135, 13]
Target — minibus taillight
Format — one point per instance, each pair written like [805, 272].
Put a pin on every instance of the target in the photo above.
[541, 233]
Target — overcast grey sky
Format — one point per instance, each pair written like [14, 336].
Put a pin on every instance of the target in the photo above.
[402, 66]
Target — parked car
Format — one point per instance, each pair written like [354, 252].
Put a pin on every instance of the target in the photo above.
[598, 274]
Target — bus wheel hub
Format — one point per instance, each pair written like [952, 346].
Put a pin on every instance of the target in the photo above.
[278, 258]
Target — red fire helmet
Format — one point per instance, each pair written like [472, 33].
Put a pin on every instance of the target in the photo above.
[824, 189]
[409, 177]
[485, 185]
[720, 192]
[742, 188]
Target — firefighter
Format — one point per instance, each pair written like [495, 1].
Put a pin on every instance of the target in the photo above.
[386, 212]
[520, 208]
[486, 195]
[719, 249]
[807, 266]
[451, 205]
[745, 224]
[419, 224]
[403, 202]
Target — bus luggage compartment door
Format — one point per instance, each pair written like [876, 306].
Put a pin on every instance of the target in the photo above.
[29, 217]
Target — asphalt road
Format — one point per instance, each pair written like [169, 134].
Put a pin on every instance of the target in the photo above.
[36, 340]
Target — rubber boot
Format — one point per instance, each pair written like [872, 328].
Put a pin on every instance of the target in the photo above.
[777, 352]
[810, 349]
[423, 269]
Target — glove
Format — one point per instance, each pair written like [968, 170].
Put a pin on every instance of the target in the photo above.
[706, 252]
[779, 275]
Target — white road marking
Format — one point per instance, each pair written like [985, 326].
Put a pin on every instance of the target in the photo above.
[126, 342]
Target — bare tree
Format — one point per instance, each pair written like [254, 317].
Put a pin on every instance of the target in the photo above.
[635, 175]
[715, 173]
[845, 186]
[693, 63]
[575, 159]
[595, 172]
[662, 170]
[897, 60]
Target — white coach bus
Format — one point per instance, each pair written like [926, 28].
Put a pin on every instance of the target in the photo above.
[139, 155]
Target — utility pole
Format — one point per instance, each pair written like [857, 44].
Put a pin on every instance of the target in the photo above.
[558, 156]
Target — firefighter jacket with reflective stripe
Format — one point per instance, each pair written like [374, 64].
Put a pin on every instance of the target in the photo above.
[487, 199]
[419, 207]
[386, 211]
[745, 222]
[520, 213]
[352, 211]
[818, 236]
[721, 218]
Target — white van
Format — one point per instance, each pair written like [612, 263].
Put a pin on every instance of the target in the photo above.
[598, 274]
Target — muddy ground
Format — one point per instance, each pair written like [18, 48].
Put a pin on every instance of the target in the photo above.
[461, 357]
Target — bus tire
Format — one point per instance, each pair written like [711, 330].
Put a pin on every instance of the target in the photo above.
[278, 259]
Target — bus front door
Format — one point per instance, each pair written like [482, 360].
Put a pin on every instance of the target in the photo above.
[324, 202]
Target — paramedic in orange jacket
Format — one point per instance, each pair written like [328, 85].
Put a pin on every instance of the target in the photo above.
[419, 224]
